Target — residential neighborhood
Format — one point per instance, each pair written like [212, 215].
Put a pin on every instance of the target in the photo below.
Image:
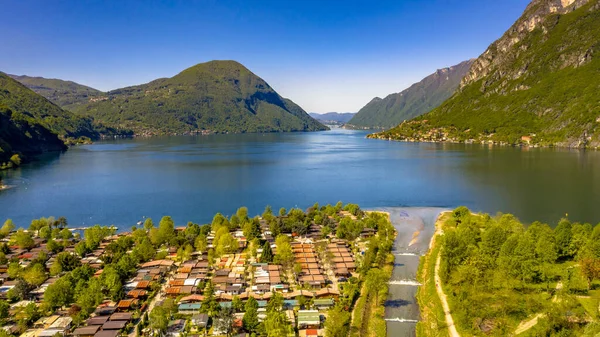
[271, 275]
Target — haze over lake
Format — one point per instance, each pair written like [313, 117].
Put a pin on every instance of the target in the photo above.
[191, 178]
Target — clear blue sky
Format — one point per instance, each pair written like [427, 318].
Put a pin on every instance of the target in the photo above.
[324, 55]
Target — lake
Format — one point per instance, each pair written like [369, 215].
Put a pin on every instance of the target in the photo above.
[191, 178]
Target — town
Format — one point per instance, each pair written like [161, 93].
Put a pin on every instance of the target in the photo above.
[294, 273]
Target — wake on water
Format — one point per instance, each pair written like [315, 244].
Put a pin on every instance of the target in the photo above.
[404, 283]
[407, 254]
[401, 320]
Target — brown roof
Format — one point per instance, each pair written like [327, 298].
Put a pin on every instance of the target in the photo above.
[114, 325]
[98, 320]
[86, 330]
[173, 290]
[192, 298]
[143, 284]
[124, 304]
[121, 316]
[179, 282]
[187, 289]
[137, 293]
[107, 333]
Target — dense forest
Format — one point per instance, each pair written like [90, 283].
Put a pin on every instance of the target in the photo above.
[499, 273]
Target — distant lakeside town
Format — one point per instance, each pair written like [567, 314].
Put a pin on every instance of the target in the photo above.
[315, 272]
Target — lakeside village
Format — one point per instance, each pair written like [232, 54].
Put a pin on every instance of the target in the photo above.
[297, 273]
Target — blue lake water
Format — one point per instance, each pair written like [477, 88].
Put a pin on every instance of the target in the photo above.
[191, 178]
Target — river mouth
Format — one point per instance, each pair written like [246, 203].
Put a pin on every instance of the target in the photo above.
[415, 227]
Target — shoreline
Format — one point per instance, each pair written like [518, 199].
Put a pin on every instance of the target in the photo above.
[521, 146]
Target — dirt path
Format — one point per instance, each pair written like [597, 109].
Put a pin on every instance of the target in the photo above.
[526, 325]
[530, 323]
[438, 287]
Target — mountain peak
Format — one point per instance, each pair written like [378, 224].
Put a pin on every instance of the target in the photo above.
[533, 17]
[536, 85]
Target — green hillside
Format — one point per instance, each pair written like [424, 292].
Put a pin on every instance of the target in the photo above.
[21, 100]
[418, 99]
[66, 94]
[218, 96]
[30, 124]
[538, 84]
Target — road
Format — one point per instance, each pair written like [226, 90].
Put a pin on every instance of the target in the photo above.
[438, 287]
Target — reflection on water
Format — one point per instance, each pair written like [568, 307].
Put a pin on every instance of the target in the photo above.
[191, 178]
[401, 309]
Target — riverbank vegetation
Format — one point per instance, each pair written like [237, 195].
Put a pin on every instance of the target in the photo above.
[432, 321]
[499, 274]
[375, 273]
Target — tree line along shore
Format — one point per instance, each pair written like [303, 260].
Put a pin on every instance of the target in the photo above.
[502, 278]
[316, 272]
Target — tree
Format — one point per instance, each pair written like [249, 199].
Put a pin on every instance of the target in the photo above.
[252, 229]
[65, 262]
[66, 234]
[22, 290]
[337, 323]
[184, 253]
[14, 270]
[242, 214]
[144, 251]
[285, 253]
[224, 321]
[590, 267]
[201, 243]
[32, 313]
[159, 319]
[282, 211]
[267, 254]
[4, 308]
[94, 235]
[82, 249]
[22, 239]
[35, 274]
[165, 232]
[375, 281]
[250, 320]
[111, 281]
[562, 236]
[275, 303]
[225, 242]
[148, 224]
[8, 227]
[60, 293]
[277, 324]
[55, 247]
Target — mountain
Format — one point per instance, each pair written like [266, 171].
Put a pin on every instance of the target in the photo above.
[335, 117]
[217, 96]
[30, 124]
[66, 94]
[538, 84]
[418, 99]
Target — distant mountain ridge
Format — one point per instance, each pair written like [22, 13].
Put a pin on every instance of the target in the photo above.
[217, 96]
[418, 99]
[536, 85]
[66, 94]
[339, 117]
